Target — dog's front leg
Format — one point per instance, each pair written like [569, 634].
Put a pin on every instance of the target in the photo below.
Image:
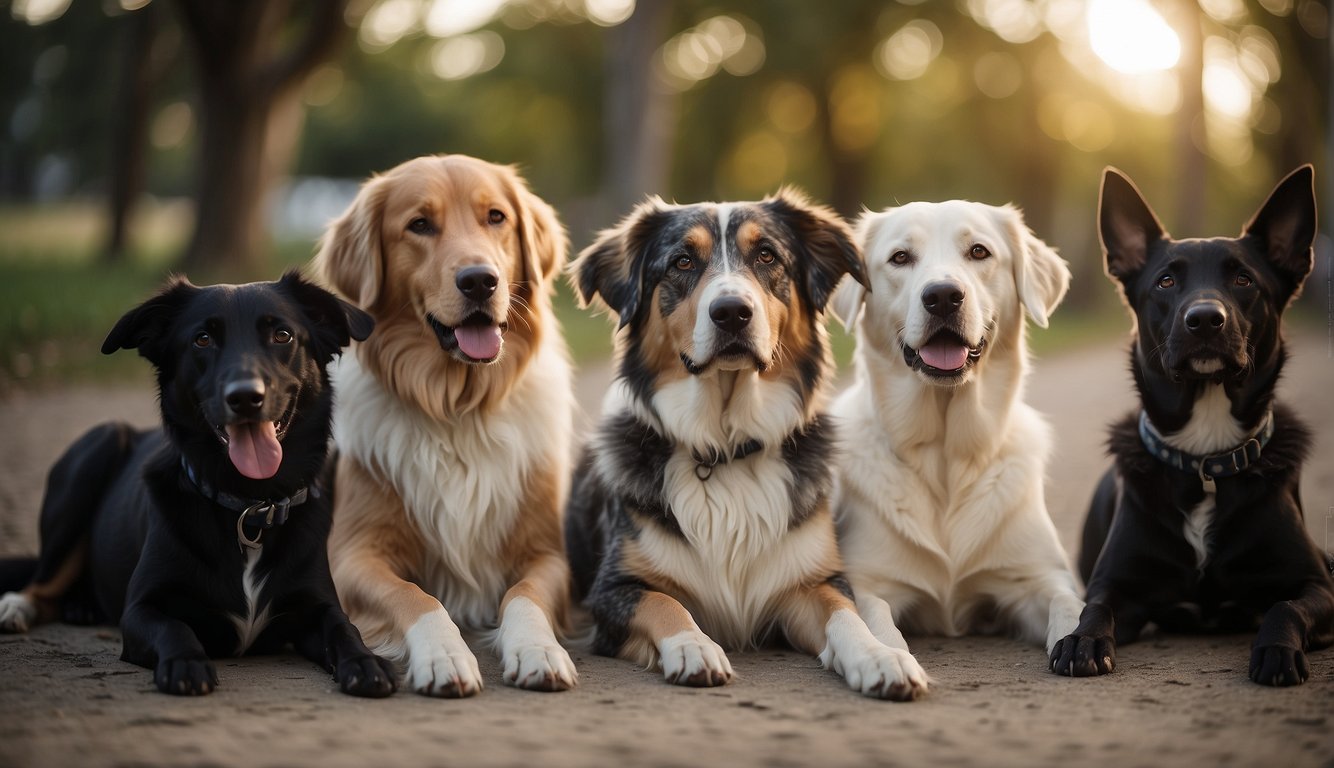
[1290, 627]
[531, 655]
[823, 621]
[170, 648]
[329, 639]
[637, 623]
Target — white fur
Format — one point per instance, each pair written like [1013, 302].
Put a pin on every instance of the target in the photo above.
[869, 666]
[529, 651]
[940, 488]
[1196, 529]
[17, 612]
[439, 662]
[1211, 428]
[461, 481]
[252, 623]
[705, 334]
[690, 652]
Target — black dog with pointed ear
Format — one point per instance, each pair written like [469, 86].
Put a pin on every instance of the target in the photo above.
[207, 537]
[1209, 532]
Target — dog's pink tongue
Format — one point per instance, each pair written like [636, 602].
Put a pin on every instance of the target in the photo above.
[944, 355]
[480, 342]
[254, 449]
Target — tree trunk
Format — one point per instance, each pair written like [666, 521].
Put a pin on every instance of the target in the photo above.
[640, 111]
[129, 153]
[1193, 164]
[250, 116]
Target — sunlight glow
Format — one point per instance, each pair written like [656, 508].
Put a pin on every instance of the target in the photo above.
[1131, 36]
[461, 56]
[908, 53]
[608, 13]
[455, 17]
[35, 12]
[723, 42]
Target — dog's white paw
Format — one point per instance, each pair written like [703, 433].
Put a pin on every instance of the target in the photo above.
[439, 662]
[17, 612]
[882, 672]
[691, 658]
[546, 667]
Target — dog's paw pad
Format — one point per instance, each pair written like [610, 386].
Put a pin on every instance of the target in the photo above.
[1083, 656]
[540, 668]
[367, 676]
[882, 672]
[186, 677]
[446, 675]
[691, 658]
[17, 613]
[1279, 666]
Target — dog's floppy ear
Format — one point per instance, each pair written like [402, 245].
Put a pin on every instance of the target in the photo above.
[1040, 275]
[145, 327]
[828, 241]
[1127, 226]
[541, 235]
[334, 323]
[1285, 226]
[350, 257]
[850, 295]
[611, 270]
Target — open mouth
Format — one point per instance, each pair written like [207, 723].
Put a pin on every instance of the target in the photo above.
[945, 355]
[255, 447]
[477, 339]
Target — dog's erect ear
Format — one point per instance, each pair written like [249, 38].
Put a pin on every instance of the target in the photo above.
[1285, 225]
[541, 235]
[1040, 275]
[1127, 226]
[850, 295]
[145, 327]
[611, 269]
[334, 323]
[828, 241]
[350, 257]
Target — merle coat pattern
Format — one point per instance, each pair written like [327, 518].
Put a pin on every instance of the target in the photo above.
[1181, 550]
[136, 526]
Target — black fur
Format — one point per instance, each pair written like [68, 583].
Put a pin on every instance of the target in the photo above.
[163, 560]
[1262, 569]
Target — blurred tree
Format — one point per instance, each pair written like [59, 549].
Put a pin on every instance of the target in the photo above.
[141, 70]
[252, 56]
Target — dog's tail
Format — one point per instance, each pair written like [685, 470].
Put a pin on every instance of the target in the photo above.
[16, 573]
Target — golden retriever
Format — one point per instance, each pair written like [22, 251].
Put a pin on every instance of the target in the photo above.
[453, 424]
[940, 489]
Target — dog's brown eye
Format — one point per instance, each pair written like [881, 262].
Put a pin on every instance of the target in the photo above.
[685, 263]
[282, 336]
[979, 252]
[900, 258]
[203, 340]
[495, 216]
[1243, 280]
[766, 256]
[1166, 281]
[420, 226]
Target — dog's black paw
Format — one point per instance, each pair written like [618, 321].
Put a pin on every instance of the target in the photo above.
[369, 676]
[185, 676]
[1083, 656]
[1279, 665]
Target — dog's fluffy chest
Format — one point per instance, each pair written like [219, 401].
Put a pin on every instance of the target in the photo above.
[252, 622]
[462, 483]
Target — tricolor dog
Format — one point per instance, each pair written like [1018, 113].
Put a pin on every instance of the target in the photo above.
[699, 518]
[1199, 526]
[940, 503]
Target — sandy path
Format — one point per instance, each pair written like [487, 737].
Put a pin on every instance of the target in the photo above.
[65, 699]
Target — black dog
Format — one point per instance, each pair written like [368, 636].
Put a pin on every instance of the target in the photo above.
[207, 538]
[1199, 526]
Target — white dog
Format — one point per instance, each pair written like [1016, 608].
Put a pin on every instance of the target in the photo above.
[939, 496]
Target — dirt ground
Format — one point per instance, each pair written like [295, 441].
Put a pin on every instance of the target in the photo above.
[66, 699]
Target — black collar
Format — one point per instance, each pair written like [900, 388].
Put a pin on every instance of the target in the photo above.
[1211, 466]
[704, 464]
[255, 514]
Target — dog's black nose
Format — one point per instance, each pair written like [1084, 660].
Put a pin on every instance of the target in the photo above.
[942, 299]
[1205, 318]
[730, 313]
[477, 283]
[245, 396]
